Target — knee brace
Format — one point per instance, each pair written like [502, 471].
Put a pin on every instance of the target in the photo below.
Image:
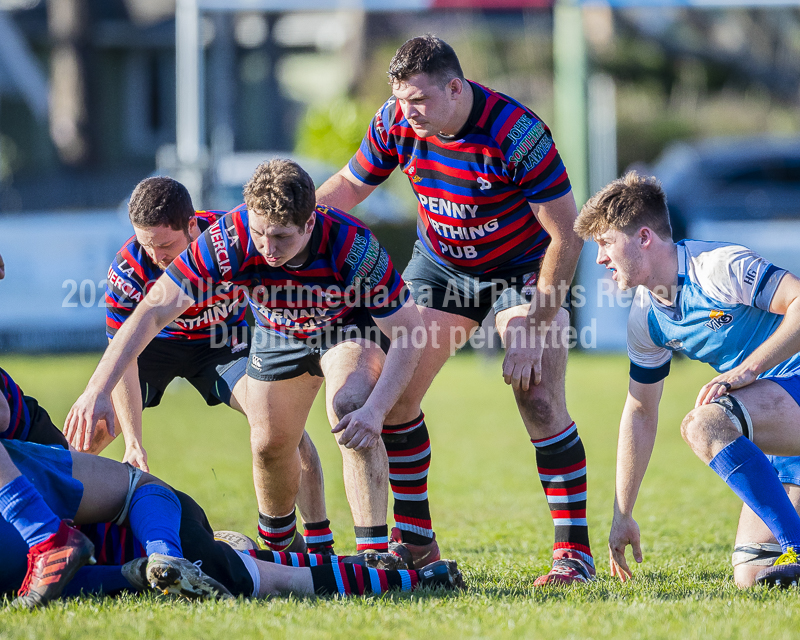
[738, 414]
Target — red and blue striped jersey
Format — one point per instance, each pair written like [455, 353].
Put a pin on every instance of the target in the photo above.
[20, 422]
[475, 189]
[346, 269]
[131, 275]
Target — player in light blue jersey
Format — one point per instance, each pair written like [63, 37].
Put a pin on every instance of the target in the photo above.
[721, 304]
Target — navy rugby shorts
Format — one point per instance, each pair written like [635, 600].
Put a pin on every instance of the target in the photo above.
[445, 288]
[276, 356]
[212, 369]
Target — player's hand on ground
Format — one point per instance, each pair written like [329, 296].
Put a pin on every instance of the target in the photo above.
[624, 532]
[82, 419]
[137, 457]
[360, 429]
[522, 365]
[736, 378]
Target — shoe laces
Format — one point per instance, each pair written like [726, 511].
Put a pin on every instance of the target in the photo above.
[26, 584]
[787, 557]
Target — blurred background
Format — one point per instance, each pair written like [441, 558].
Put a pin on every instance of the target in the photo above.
[97, 94]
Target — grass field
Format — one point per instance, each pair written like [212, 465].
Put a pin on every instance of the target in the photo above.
[489, 513]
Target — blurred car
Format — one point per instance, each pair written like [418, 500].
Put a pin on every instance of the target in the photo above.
[743, 190]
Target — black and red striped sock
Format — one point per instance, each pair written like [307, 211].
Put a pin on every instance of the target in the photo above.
[290, 559]
[375, 538]
[409, 449]
[277, 533]
[353, 579]
[318, 536]
[561, 460]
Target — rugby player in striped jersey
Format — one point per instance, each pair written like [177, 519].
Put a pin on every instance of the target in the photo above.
[495, 233]
[325, 297]
[208, 344]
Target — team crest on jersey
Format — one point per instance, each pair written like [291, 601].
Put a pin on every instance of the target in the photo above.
[675, 345]
[529, 287]
[411, 171]
[718, 320]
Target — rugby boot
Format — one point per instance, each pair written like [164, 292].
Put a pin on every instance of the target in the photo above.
[376, 560]
[568, 568]
[784, 573]
[413, 556]
[442, 573]
[297, 545]
[135, 572]
[236, 540]
[179, 576]
[52, 564]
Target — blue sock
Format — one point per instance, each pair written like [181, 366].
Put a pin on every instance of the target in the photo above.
[155, 518]
[751, 476]
[97, 579]
[23, 506]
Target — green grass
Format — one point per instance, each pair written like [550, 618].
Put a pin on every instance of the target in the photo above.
[489, 513]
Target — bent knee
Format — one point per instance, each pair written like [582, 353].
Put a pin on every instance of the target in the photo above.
[693, 429]
[269, 443]
[538, 410]
[343, 406]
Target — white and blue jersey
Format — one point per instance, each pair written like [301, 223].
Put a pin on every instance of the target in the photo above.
[720, 315]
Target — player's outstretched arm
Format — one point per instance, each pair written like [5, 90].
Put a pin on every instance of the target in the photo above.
[780, 346]
[362, 428]
[127, 397]
[343, 190]
[522, 365]
[165, 302]
[637, 436]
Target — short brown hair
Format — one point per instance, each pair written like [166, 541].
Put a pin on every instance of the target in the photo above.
[281, 191]
[626, 204]
[161, 202]
[425, 54]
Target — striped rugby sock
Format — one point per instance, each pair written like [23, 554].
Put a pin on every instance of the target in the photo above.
[353, 579]
[409, 449]
[318, 535]
[277, 533]
[375, 538]
[290, 559]
[562, 470]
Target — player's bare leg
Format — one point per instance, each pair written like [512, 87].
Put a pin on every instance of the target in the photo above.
[446, 334]
[720, 435]
[277, 412]
[775, 415]
[755, 546]
[560, 456]
[352, 369]
[544, 406]
[311, 495]
[407, 441]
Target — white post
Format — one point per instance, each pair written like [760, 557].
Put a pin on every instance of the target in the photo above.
[189, 98]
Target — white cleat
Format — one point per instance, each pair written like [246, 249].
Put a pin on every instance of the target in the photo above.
[179, 576]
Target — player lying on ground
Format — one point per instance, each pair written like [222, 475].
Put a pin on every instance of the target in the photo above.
[150, 536]
[325, 296]
[208, 345]
[495, 233]
[721, 304]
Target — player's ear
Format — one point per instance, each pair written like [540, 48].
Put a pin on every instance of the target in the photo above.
[455, 87]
